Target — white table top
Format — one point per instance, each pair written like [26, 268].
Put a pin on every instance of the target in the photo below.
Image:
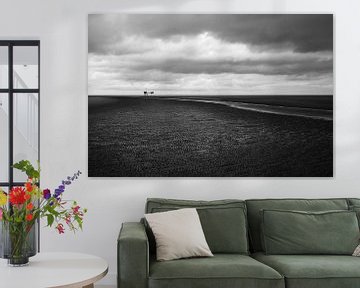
[45, 270]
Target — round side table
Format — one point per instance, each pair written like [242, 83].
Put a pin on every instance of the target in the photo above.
[50, 270]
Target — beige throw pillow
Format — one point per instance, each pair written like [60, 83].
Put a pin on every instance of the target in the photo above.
[178, 234]
[357, 251]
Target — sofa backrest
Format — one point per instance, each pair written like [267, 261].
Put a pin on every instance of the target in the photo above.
[256, 205]
[353, 202]
[223, 221]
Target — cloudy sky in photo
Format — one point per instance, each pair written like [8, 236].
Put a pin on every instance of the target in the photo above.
[228, 54]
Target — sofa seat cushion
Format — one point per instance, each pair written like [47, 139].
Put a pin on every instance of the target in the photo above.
[222, 270]
[313, 271]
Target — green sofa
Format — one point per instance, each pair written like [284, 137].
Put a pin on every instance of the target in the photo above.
[233, 230]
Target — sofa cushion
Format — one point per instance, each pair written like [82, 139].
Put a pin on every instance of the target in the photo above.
[254, 207]
[222, 270]
[313, 271]
[356, 209]
[353, 201]
[178, 234]
[223, 221]
[297, 232]
[354, 205]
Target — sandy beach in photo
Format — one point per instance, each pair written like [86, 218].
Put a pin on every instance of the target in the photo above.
[140, 136]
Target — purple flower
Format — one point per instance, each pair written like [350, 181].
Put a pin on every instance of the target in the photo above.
[58, 192]
[64, 183]
[46, 194]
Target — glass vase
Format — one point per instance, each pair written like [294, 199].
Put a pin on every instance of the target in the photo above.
[18, 242]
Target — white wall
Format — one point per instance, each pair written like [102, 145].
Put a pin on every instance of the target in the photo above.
[61, 25]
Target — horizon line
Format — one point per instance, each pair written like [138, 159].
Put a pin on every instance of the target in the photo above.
[217, 95]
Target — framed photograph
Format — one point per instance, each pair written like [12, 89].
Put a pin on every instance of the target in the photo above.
[210, 95]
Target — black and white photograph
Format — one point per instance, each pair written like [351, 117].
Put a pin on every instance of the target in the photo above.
[210, 95]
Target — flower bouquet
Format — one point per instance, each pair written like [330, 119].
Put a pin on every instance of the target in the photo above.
[21, 208]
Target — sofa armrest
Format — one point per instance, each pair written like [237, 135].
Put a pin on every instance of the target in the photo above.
[133, 256]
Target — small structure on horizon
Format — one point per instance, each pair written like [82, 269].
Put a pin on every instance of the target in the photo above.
[148, 93]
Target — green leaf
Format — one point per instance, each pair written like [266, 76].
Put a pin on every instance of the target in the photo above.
[50, 219]
[52, 211]
[28, 168]
[79, 221]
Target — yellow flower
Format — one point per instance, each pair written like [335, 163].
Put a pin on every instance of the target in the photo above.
[3, 198]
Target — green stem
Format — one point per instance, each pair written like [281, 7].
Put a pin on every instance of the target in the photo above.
[18, 237]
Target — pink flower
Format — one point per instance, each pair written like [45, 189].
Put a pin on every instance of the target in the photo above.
[76, 210]
[60, 228]
[1, 212]
[68, 219]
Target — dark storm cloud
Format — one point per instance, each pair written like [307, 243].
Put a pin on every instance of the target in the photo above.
[264, 67]
[303, 32]
[190, 66]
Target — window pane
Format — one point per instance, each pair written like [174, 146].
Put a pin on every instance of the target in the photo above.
[4, 188]
[25, 67]
[4, 67]
[25, 130]
[4, 137]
